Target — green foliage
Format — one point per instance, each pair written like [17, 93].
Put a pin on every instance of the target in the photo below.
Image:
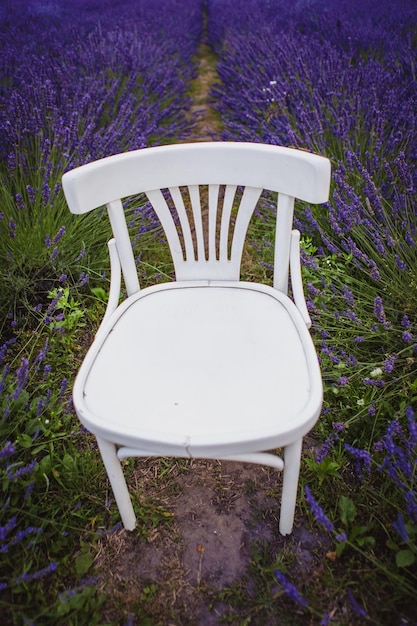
[325, 469]
[258, 601]
[46, 245]
[149, 516]
[357, 535]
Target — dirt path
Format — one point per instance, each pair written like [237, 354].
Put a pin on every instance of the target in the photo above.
[208, 126]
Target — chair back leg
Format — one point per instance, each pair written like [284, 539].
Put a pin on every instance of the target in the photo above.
[118, 483]
[292, 459]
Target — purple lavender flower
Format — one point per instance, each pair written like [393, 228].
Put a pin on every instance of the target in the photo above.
[12, 228]
[379, 310]
[4, 530]
[342, 381]
[22, 534]
[31, 193]
[400, 447]
[7, 450]
[22, 375]
[407, 337]
[374, 382]
[84, 278]
[42, 354]
[410, 498]
[390, 363]
[405, 322]
[64, 385]
[324, 449]
[19, 201]
[409, 413]
[54, 302]
[54, 254]
[24, 470]
[28, 491]
[399, 526]
[357, 609]
[400, 263]
[363, 460]
[59, 235]
[290, 590]
[26, 577]
[317, 511]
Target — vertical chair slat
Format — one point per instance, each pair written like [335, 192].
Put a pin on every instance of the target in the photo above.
[176, 195]
[194, 191]
[248, 202]
[159, 203]
[213, 198]
[229, 196]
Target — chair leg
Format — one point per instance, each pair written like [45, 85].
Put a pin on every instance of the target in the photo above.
[118, 483]
[292, 458]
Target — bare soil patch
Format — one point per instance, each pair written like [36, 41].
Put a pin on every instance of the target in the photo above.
[215, 512]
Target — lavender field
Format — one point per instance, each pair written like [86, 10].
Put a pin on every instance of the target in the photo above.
[83, 80]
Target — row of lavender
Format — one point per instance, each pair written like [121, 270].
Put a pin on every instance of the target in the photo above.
[339, 78]
[78, 81]
[89, 79]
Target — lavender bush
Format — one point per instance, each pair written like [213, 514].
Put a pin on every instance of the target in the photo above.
[79, 83]
[339, 79]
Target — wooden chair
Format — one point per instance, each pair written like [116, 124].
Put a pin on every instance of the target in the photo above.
[206, 366]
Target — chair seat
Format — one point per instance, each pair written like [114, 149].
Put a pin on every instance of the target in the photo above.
[201, 368]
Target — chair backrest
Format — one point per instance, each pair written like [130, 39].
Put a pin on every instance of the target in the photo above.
[205, 242]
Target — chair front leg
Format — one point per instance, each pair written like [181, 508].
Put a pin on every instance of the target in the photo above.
[292, 459]
[118, 483]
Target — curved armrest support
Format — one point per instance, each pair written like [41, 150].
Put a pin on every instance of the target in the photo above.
[115, 280]
[296, 279]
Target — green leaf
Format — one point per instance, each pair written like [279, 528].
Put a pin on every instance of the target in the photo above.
[100, 294]
[347, 510]
[404, 558]
[83, 562]
[25, 440]
[366, 541]
[69, 462]
[40, 448]
[340, 547]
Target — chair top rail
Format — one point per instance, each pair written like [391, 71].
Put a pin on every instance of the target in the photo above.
[293, 172]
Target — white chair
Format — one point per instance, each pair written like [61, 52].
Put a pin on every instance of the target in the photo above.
[207, 366]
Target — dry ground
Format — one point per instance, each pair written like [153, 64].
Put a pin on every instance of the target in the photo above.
[211, 513]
